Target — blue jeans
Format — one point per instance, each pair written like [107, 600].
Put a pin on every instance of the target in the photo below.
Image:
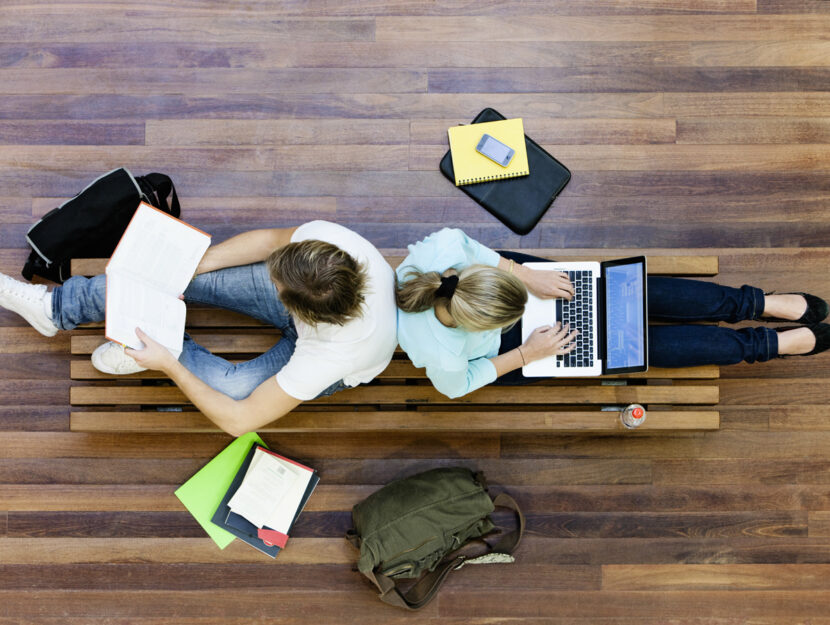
[246, 289]
[687, 345]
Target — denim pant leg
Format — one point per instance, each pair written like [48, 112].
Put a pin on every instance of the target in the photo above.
[79, 300]
[681, 299]
[246, 289]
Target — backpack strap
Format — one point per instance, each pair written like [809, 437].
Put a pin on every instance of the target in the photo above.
[163, 188]
[423, 591]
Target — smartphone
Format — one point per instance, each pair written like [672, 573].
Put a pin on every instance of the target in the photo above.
[495, 150]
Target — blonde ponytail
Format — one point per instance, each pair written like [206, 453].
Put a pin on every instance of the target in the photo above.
[486, 298]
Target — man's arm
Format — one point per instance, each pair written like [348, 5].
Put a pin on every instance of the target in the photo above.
[246, 248]
[265, 404]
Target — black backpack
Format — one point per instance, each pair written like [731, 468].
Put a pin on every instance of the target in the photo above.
[91, 224]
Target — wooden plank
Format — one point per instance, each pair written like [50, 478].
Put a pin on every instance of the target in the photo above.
[600, 79]
[83, 370]
[46, 132]
[798, 604]
[114, 26]
[716, 577]
[612, 28]
[329, 157]
[166, 550]
[233, 133]
[759, 54]
[661, 261]
[741, 445]
[819, 524]
[764, 104]
[205, 446]
[441, 421]
[414, 7]
[565, 131]
[413, 395]
[790, 130]
[743, 471]
[724, 158]
[193, 82]
[280, 210]
[338, 105]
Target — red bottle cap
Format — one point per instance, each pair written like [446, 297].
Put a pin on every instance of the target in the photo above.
[637, 413]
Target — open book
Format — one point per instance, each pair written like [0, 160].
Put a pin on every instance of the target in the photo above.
[152, 265]
[271, 493]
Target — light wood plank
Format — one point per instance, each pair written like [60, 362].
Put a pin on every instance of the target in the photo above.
[565, 131]
[83, 370]
[312, 157]
[723, 158]
[660, 261]
[413, 395]
[229, 132]
[790, 130]
[639, 28]
[409, 421]
[716, 577]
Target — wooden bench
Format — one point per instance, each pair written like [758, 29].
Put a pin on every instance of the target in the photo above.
[401, 398]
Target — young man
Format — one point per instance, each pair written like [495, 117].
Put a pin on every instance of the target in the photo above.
[328, 290]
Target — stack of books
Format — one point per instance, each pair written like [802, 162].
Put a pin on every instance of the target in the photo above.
[249, 492]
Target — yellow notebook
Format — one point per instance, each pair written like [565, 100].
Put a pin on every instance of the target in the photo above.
[471, 167]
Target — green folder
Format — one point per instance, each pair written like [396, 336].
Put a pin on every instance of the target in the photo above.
[203, 492]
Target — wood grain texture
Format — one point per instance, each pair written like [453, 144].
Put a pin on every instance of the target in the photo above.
[693, 128]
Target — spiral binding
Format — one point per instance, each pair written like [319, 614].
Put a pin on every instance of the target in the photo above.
[515, 174]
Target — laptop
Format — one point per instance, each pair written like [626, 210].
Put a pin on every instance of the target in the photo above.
[610, 310]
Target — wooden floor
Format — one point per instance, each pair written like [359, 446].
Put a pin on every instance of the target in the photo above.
[686, 123]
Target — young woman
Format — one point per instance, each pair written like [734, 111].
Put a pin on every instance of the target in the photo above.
[459, 304]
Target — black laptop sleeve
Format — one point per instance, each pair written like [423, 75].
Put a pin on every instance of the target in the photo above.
[519, 203]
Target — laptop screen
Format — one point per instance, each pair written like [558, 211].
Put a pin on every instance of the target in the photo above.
[625, 331]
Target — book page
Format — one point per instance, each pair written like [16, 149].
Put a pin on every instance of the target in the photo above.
[267, 481]
[132, 305]
[159, 250]
[283, 511]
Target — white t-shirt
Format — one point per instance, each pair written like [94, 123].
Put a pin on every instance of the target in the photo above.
[357, 351]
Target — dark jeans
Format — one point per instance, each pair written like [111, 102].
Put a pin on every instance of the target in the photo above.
[687, 345]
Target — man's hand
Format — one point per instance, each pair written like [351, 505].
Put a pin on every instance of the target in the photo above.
[153, 356]
[546, 284]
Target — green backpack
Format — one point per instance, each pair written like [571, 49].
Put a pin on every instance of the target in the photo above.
[408, 528]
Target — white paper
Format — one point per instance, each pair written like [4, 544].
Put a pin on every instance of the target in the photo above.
[152, 265]
[271, 491]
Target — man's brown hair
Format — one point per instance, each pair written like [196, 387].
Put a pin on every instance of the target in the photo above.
[318, 282]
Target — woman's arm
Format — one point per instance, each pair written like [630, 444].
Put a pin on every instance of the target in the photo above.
[542, 342]
[246, 248]
[542, 284]
[265, 404]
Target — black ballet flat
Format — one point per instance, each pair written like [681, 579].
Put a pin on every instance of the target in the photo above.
[817, 310]
[822, 333]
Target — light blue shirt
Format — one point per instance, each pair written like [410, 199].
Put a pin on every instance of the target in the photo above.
[457, 361]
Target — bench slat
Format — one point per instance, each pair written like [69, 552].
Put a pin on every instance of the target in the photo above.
[409, 421]
[83, 370]
[425, 394]
[658, 263]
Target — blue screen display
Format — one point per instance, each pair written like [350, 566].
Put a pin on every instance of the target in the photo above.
[624, 316]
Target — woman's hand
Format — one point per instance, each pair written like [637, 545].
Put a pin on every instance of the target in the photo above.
[548, 341]
[153, 356]
[546, 284]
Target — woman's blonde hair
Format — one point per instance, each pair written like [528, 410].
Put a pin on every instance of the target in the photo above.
[318, 282]
[486, 298]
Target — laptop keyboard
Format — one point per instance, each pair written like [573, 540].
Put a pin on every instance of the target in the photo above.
[578, 313]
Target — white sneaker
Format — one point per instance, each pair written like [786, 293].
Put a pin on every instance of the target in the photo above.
[30, 301]
[110, 358]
